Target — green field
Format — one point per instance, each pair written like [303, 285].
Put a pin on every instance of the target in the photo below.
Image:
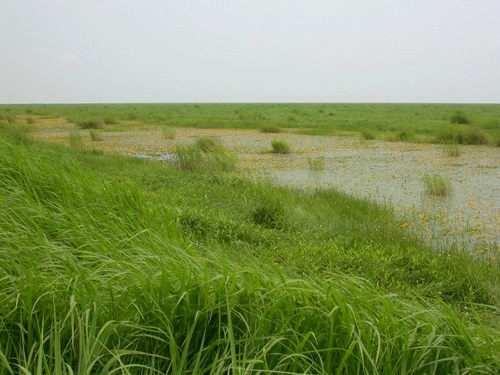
[113, 264]
[474, 123]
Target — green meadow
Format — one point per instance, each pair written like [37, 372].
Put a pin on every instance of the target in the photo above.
[118, 265]
[436, 123]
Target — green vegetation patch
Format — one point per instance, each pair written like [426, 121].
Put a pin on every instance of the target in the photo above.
[206, 155]
[437, 185]
[280, 146]
[407, 122]
[89, 124]
[111, 264]
[459, 118]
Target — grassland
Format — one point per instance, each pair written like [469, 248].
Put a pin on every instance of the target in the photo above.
[112, 264]
[479, 123]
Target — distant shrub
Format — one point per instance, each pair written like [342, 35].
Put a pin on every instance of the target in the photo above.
[468, 136]
[473, 136]
[437, 185]
[89, 124]
[280, 147]
[30, 120]
[110, 121]
[316, 164]
[459, 118]
[270, 129]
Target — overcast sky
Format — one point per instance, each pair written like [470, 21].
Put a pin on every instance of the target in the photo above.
[249, 51]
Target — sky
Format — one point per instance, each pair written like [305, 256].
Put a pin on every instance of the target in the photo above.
[177, 51]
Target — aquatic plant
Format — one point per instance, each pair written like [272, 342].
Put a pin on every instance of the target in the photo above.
[280, 147]
[437, 185]
[316, 164]
[206, 155]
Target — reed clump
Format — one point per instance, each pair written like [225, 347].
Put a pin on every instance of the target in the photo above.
[280, 147]
[206, 155]
[270, 129]
[436, 185]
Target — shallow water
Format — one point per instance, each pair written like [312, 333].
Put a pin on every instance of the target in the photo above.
[390, 173]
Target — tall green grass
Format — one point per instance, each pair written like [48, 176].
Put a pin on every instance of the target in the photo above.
[102, 272]
[206, 155]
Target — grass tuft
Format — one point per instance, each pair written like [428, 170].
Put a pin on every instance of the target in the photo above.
[316, 164]
[280, 147]
[459, 118]
[437, 185]
[270, 129]
[89, 124]
[207, 155]
[270, 215]
[209, 144]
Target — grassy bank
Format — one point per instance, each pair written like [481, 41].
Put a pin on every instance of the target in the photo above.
[113, 264]
[439, 123]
